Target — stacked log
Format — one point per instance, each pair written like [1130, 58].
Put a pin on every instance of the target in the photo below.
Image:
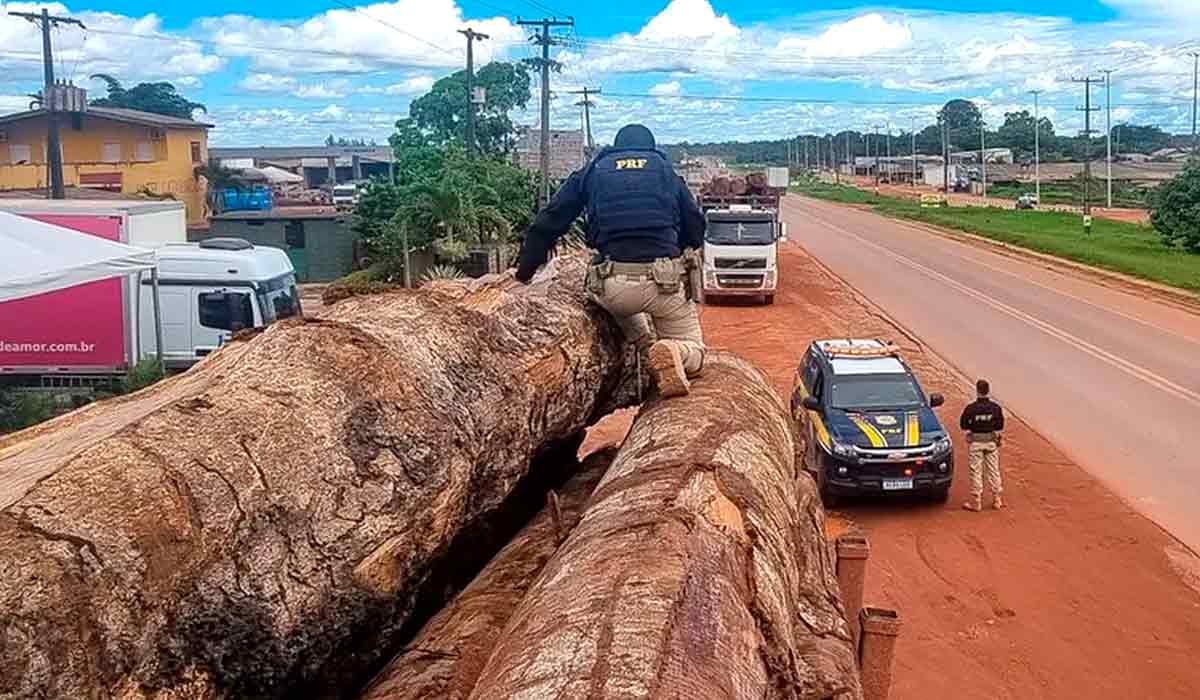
[753, 184]
[444, 660]
[699, 570]
[265, 527]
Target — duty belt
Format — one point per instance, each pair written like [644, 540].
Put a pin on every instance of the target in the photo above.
[635, 271]
[981, 437]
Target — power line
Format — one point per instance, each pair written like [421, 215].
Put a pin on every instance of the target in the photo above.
[1087, 110]
[385, 23]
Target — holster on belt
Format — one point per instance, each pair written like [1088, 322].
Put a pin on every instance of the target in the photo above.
[597, 272]
[666, 273]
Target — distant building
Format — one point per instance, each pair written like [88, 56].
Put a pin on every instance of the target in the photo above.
[318, 240]
[318, 165]
[116, 150]
[566, 151]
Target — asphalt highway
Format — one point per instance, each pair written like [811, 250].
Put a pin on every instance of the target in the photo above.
[1110, 374]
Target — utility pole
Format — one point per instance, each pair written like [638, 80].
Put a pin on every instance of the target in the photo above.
[54, 154]
[877, 149]
[545, 41]
[804, 139]
[837, 176]
[1037, 151]
[471, 35]
[945, 157]
[983, 158]
[587, 105]
[1195, 86]
[1108, 136]
[1087, 144]
[849, 157]
[913, 148]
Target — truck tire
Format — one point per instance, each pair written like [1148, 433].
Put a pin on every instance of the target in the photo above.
[828, 498]
[769, 299]
[940, 495]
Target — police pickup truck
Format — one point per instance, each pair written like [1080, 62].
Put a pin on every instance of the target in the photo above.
[865, 426]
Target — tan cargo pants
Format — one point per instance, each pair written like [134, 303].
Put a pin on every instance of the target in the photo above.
[638, 305]
[984, 459]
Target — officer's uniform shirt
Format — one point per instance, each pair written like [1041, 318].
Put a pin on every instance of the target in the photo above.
[982, 416]
[638, 210]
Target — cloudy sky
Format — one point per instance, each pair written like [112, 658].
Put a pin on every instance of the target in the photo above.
[292, 73]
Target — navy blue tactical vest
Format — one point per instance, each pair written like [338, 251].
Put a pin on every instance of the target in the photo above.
[632, 193]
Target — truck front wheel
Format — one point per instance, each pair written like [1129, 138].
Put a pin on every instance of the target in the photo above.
[769, 299]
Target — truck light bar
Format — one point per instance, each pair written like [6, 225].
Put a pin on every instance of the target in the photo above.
[884, 350]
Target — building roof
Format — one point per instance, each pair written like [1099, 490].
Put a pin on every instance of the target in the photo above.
[276, 154]
[117, 114]
[74, 193]
[88, 206]
[281, 213]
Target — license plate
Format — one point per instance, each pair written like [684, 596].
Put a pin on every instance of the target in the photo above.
[897, 484]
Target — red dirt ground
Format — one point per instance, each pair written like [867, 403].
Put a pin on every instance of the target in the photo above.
[1068, 593]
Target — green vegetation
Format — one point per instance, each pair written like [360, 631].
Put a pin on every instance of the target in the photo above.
[159, 98]
[142, 375]
[962, 119]
[1113, 245]
[19, 410]
[444, 198]
[1071, 192]
[1175, 210]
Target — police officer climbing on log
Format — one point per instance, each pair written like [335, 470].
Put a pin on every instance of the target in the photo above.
[640, 218]
[983, 421]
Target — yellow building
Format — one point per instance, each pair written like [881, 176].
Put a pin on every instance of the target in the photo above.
[120, 150]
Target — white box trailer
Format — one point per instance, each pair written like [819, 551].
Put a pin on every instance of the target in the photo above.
[100, 319]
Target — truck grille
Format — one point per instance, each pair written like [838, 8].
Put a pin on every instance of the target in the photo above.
[740, 263]
[739, 280]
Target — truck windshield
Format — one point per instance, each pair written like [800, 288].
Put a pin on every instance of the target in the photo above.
[740, 233]
[874, 392]
[278, 298]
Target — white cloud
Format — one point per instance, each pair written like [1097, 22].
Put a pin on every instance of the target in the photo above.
[268, 82]
[413, 86]
[671, 89]
[860, 36]
[14, 103]
[321, 91]
[106, 47]
[400, 34]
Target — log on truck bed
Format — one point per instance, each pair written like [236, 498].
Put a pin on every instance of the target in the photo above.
[700, 569]
[264, 533]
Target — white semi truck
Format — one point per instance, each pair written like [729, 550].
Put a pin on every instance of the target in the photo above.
[741, 242]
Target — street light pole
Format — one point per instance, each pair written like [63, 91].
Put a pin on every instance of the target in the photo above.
[1037, 155]
[1108, 135]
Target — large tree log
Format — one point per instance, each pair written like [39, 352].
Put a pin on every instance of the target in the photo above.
[265, 530]
[444, 660]
[700, 569]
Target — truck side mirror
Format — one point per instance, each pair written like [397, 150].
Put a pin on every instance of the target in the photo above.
[936, 400]
[811, 403]
[783, 231]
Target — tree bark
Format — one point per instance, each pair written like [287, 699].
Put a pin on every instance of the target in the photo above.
[266, 531]
[444, 660]
[700, 568]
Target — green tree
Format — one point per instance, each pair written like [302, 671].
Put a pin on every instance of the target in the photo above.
[159, 98]
[963, 121]
[1175, 209]
[439, 117]
[1131, 138]
[1017, 132]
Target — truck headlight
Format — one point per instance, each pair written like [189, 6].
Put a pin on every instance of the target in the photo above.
[710, 278]
[942, 446]
[840, 450]
[769, 278]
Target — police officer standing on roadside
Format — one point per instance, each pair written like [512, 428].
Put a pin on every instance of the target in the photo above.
[983, 421]
[640, 218]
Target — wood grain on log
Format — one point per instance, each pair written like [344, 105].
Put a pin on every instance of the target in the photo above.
[444, 660]
[700, 568]
[263, 533]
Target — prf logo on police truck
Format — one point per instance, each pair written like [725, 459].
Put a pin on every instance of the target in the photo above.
[631, 164]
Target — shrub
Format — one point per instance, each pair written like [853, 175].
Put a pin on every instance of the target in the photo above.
[1175, 209]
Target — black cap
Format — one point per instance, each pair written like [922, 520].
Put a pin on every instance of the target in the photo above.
[982, 387]
[634, 136]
